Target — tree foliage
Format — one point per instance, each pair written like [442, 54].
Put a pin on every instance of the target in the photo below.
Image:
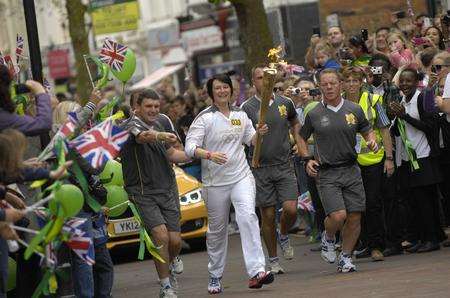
[254, 31]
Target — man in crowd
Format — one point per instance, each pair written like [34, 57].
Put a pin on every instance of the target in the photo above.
[150, 182]
[334, 123]
[275, 177]
[336, 38]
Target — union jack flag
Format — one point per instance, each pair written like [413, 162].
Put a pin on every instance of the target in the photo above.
[79, 240]
[19, 47]
[101, 143]
[113, 54]
[65, 132]
[305, 203]
[47, 85]
[7, 61]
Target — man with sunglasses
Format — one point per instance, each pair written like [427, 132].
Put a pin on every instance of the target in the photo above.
[275, 177]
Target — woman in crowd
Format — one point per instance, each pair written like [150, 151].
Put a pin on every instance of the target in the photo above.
[417, 149]
[217, 136]
[28, 125]
[435, 36]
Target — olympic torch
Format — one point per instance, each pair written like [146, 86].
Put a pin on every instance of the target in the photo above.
[268, 83]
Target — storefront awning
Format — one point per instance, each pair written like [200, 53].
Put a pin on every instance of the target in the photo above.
[157, 76]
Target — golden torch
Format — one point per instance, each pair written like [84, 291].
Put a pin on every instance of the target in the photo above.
[268, 83]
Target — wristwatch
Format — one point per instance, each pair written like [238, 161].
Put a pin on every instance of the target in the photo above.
[390, 158]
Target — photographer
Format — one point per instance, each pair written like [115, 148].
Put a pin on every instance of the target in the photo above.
[30, 126]
[359, 50]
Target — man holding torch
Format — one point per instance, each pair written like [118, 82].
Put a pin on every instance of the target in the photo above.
[272, 164]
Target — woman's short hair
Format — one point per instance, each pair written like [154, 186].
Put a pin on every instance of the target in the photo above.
[222, 78]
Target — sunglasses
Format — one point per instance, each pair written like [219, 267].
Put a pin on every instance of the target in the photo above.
[276, 89]
[437, 68]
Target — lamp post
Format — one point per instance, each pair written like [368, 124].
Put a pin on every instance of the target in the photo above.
[35, 52]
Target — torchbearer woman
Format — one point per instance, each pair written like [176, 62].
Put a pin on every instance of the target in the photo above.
[217, 136]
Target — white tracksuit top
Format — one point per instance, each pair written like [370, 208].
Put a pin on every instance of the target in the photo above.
[214, 132]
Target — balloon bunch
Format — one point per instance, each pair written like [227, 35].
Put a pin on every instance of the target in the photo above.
[117, 203]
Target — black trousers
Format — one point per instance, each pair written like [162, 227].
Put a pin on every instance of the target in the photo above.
[320, 212]
[445, 190]
[372, 225]
[425, 208]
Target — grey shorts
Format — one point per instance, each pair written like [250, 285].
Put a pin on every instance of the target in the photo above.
[159, 209]
[275, 184]
[341, 189]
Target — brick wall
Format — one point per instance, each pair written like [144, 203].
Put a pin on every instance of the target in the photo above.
[371, 14]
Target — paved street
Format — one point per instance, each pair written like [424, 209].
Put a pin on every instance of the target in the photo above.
[418, 275]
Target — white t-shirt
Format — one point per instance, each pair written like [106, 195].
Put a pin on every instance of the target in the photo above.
[214, 132]
[417, 137]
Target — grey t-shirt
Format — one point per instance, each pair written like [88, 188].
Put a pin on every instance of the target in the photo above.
[335, 132]
[146, 168]
[275, 147]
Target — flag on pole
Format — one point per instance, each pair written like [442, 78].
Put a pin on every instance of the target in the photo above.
[305, 203]
[65, 132]
[47, 85]
[19, 47]
[79, 240]
[113, 54]
[101, 143]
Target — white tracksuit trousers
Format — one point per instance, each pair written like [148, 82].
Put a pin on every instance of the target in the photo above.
[218, 200]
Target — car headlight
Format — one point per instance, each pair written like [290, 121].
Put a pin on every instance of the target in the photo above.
[192, 197]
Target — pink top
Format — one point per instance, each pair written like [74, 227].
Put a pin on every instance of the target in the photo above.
[403, 57]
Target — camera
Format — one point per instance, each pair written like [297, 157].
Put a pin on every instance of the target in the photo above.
[314, 92]
[364, 34]
[446, 18]
[400, 14]
[376, 70]
[21, 89]
[296, 91]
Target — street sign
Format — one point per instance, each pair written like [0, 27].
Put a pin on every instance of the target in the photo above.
[116, 18]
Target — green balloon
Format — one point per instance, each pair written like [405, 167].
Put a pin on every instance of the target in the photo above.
[128, 68]
[116, 195]
[98, 70]
[71, 199]
[113, 172]
[12, 270]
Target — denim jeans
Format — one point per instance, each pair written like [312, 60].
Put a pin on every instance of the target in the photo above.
[103, 272]
[82, 273]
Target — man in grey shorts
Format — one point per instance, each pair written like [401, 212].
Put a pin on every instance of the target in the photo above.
[275, 178]
[334, 124]
[150, 182]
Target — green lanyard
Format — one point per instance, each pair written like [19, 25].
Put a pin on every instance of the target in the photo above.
[408, 146]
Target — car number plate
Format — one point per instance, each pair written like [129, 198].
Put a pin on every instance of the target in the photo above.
[126, 226]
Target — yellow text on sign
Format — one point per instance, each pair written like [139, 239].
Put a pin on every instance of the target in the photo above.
[116, 18]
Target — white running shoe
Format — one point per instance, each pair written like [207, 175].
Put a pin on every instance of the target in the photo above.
[275, 268]
[215, 285]
[177, 265]
[167, 292]
[345, 264]
[328, 249]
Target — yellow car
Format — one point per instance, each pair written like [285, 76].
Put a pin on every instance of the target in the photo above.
[194, 221]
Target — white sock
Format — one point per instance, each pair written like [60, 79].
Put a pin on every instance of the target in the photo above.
[165, 282]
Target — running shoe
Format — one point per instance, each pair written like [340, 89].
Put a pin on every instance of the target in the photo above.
[345, 264]
[167, 292]
[260, 279]
[215, 285]
[275, 267]
[173, 280]
[177, 265]
[328, 249]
